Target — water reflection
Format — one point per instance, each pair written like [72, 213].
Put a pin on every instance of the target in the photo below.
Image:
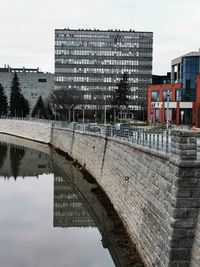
[79, 208]
[70, 208]
[3, 153]
[16, 155]
[17, 161]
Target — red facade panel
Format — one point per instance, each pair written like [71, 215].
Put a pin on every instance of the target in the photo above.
[160, 89]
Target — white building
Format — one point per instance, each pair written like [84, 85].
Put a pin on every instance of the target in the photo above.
[33, 83]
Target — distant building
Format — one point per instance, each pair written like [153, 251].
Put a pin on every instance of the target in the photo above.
[93, 62]
[178, 101]
[33, 83]
[186, 67]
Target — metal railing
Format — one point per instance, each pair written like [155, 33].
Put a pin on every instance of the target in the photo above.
[152, 138]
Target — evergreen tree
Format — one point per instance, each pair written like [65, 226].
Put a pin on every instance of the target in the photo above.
[15, 97]
[3, 154]
[19, 106]
[3, 102]
[39, 111]
[16, 156]
[25, 106]
[120, 98]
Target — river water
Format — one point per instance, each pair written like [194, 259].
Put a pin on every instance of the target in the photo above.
[52, 215]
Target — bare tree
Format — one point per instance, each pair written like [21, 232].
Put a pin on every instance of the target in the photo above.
[64, 101]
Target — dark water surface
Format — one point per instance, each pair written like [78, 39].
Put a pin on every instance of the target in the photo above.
[50, 216]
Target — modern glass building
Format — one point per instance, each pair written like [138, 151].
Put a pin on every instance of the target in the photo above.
[94, 61]
[186, 68]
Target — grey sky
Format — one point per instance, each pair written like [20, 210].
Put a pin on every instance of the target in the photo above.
[27, 27]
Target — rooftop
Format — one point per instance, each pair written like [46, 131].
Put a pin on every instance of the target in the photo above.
[190, 54]
[7, 68]
[97, 30]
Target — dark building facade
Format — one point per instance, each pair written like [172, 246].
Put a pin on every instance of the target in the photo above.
[161, 79]
[94, 61]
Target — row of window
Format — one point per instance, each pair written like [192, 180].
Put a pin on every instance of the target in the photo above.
[166, 96]
[105, 53]
[97, 43]
[99, 62]
[134, 35]
[102, 44]
[110, 62]
[70, 205]
[99, 79]
[113, 71]
[97, 88]
[107, 97]
[106, 45]
[94, 107]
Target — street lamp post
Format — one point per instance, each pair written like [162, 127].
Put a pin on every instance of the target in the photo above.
[182, 114]
[83, 118]
[167, 121]
[55, 112]
[105, 113]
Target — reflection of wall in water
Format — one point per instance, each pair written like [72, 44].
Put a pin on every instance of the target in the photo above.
[20, 161]
[70, 208]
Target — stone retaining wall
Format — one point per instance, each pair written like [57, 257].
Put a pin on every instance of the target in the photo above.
[154, 194]
[157, 196]
[33, 130]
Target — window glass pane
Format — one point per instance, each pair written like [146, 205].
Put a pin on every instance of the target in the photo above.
[165, 92]
[155, 96]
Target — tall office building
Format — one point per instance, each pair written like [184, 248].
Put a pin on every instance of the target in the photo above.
[184, 69]
[94, 61]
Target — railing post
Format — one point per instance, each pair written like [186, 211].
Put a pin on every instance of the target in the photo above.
[150, 138]
[167, 140]
[162, 139]
[107, 130]
[157, 140]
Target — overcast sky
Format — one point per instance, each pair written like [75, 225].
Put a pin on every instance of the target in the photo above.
[27, 27]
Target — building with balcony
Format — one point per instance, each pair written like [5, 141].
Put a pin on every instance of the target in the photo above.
[33, 83]
[94, 61]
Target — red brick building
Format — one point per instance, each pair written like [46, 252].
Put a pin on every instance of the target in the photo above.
[164, 100]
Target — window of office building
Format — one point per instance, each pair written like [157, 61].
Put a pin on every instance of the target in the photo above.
[155, 96]
[167, 93]
[42, 80]
[178, 95]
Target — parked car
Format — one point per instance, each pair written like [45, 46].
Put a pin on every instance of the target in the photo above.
[123, 129]
[94, 127]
